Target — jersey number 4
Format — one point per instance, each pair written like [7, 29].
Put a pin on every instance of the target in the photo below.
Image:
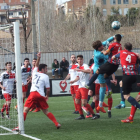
[128, 58]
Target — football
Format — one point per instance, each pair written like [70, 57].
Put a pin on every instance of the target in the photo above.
[116, 25]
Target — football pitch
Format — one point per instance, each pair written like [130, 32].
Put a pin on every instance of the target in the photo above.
[39, 126]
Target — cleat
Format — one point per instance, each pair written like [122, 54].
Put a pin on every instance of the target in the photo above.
[95, 117]
[101, 109]
[75, 112]
[2, 115]
[121, 105]
[109, 94]
[58, 126]
[87, 87]
[36, 110]
[89, 116]
[16, 129]
[109, 114]
[7, 116]
[127, 121]
[80, 118]
[85, 109]
[104, 104]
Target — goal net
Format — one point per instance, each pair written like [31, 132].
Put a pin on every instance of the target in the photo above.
[9, 81]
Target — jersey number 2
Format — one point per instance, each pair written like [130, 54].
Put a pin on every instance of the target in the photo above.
[128, 58]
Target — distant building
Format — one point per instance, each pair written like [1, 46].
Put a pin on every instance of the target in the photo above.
[106, 5]
[78, 6]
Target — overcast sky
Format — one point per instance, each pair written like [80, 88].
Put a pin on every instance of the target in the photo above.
[61, 1]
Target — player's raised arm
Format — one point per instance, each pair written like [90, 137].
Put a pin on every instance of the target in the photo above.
[38, 59]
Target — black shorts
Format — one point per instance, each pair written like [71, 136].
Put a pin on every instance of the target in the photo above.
[108, 68]
[92, 88]
[128, 81]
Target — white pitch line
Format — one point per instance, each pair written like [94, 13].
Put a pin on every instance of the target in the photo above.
[28, 136]
[13, 132]
[5, 128]
[7, 134]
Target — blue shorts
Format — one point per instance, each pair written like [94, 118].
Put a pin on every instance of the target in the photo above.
[100, 77]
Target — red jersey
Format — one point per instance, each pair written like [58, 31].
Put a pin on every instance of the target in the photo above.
[114, 49]
[128, 62]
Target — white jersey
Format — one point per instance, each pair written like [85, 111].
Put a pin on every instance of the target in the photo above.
[73, 73]
[7, 82]
[92, 67]
[84, 77]
[39, 81]
[25, 73]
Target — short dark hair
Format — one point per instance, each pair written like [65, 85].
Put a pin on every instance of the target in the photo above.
[7, 63]
[118, 37]
[26, 59]
[96, 44]
[81, 56]
[42, 66]
[128, 46]
[35, 59]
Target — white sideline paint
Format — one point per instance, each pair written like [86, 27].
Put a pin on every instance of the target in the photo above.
[13, 132]
[5, 128]
[28, 136]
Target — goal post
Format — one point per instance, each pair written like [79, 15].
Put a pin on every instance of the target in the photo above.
[18, 77]
[10, 53]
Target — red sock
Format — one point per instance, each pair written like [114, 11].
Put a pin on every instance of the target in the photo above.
[96, 105]
[75, 105]
[89, 108]
[132, 112]
[24, 114]
[80, 109]
[51, 117]
[3, 108]
[7, 109]
[110, 101]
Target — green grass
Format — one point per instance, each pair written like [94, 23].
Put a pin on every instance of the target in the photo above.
[38, 125]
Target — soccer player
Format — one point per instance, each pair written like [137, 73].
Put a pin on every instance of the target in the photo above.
[37, 94]
[72, 74]
[111, 66]
[82, 93]
[26, 73]
[37, 109]
[129, 65]
[7, 80]
[100, 59]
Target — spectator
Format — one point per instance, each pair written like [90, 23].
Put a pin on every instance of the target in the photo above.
[91, 61]
[55, 68]
[64, 66]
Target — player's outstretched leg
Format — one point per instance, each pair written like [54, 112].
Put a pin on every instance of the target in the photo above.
[101, 99]
[110, 101]
[2, 110]
[122, 103]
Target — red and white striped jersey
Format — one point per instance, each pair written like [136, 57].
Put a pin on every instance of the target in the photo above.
[73, 73]
[25, 73]
[7, 81]
[84, 77]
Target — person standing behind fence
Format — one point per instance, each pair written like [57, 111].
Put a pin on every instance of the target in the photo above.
[64, 66]
[55, 68]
